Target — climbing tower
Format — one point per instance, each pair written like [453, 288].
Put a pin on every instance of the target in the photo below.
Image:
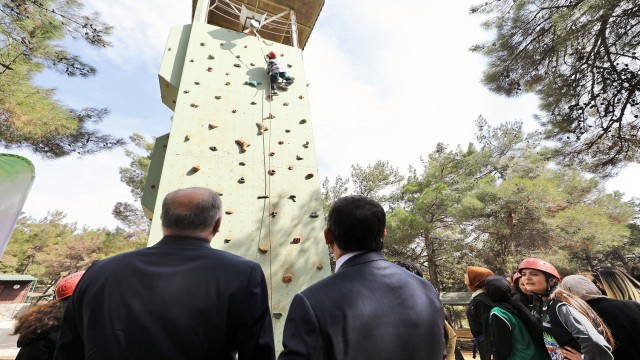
[255, 150]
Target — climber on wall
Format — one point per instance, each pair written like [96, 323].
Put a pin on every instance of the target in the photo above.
[276, 72]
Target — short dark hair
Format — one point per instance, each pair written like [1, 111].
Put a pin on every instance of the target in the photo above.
[357, 223]
[196, 213]
[410, 267]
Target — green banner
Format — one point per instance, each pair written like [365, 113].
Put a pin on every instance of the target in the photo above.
[16, 177]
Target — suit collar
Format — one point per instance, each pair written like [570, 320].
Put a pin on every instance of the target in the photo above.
[182, 241]
[361, 258]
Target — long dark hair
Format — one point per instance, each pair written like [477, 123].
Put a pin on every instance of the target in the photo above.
[38, 319]
[586, 310]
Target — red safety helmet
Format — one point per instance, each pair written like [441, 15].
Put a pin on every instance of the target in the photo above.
[539, 264]
[65, 287]
[271, 55]
[516, 276]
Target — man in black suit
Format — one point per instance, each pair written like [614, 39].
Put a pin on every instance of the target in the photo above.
[179, 299]
[370, 308]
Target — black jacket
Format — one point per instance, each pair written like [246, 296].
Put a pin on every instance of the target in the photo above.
[478, 311]
[179, 299]
[623, 319]
[369, 309]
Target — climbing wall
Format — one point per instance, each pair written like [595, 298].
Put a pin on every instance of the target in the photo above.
[258, 153]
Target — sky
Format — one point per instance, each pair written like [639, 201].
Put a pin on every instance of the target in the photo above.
[387, 81]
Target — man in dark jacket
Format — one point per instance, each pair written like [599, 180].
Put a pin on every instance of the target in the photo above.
[622, 317]
[179, 299]
[370, 308]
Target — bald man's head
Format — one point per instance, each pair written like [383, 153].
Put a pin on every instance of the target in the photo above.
[192, 209]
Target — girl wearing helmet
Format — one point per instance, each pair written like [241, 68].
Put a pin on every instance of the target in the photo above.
[276, 72]
[38, 326]
[569, 328]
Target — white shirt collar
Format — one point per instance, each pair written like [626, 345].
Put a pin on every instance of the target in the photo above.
[346, 257]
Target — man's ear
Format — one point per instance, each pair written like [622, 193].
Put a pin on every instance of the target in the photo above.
[328, 237]
[384, 235]
[216, 226]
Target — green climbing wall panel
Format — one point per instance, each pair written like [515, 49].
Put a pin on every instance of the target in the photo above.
[270, 189]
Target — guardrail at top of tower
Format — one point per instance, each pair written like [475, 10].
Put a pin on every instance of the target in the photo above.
[288, 22]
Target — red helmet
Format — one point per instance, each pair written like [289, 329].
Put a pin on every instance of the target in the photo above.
[516, 276]
[65, 287]
[539, 264]
[271, 55]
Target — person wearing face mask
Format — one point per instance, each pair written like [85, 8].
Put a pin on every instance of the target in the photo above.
[571, 329]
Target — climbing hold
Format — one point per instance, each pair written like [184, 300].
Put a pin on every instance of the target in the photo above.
[289, 66]
[202, 44]
[173, 101]
[287, 131]
[164, 146]
[252, 64]
[253, 83]
[197, 82]
[218, 97]
[287, 279]
[237, 65]
[213, 148]
[290, 168]
[285, 104]
[238, 56]
[234, 111]
[253, 103]
[296, 240]
[271, 172]
[245, 48]
[243, 144]
[195, 168]
[186, 91]
[261, 128]
[241, 163]
[303, 121]
[292, 197]
[263, 197]
[228, 212]
[319, 266]
[169, 49]
[273, 214]
[212, 126]
[191, 60]
[211, 57]
[194, 105]
[300, 97]
[305, 145]
[152, 186]
[226, 73]
[281, 55]
[308, 176]
[220, 194]
[241, 180]
[314, 214]
[272, 153]
[227, 83]
[226, 241]
[187, 137]
[278, 316]
[298, 157]
[280, 142]
[209, 69]
[263, 250]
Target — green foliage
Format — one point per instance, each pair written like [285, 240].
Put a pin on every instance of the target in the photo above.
[134, 177]
[49, 248]
[499, 203]
[580, 58]
[30, 116]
